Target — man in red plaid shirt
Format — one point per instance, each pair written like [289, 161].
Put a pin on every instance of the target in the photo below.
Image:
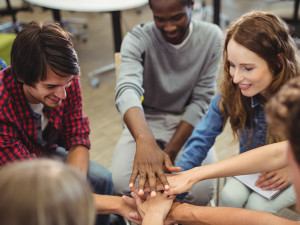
[41, 109]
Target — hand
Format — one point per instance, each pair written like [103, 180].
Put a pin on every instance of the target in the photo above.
[274, 180]
[172, 154]
[129, 211]
[149, 162]
[151, 206]
[179, 183]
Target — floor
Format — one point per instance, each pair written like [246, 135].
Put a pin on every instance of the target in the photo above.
[97, 51]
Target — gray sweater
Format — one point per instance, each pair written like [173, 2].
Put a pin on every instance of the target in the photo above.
[173, 80]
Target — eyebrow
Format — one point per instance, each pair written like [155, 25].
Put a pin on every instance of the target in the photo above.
[243, 64]
[172, 17]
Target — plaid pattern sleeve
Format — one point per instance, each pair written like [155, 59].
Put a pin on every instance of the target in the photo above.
[75, 127]
[12, 140]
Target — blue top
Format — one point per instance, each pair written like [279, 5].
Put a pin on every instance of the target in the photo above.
[205, 133]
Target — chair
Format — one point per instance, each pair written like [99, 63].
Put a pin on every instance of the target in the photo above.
[79, 30]
[12, 7]
[6, 41]
[2, 64]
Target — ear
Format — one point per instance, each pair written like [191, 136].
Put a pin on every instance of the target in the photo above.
[280, 60]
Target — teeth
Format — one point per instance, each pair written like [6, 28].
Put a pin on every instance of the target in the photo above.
[244, 85]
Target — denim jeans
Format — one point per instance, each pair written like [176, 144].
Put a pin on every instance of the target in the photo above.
[99, 177]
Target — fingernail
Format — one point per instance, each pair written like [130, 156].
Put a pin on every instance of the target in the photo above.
[131, 185]
[153, 193]
[141, 191]
[132, 194]
[167, 187]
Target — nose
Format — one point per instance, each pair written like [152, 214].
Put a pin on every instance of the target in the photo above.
[237, 77]
[61, 93]
[169, 27]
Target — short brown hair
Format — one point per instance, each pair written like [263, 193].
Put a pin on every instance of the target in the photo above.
[283, 112]
[40, 45]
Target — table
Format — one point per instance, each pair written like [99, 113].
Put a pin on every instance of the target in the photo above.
[113, 6]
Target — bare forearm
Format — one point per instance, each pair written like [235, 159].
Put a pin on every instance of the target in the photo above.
[79, 157]
[188, 214]
[106, 204]
[263, 159]
[135, 120]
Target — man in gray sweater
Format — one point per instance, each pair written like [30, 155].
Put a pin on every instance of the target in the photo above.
[166, 82]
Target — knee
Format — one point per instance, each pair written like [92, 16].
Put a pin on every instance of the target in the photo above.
[201, 193]
[229, 198]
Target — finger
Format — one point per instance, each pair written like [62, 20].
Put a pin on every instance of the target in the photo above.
[283, 185]
[152, 183]
[133, 177]
[273, 185]
[163, 179]
[169, 165]
[142, 180]
[129, 201]
[137, 199]
[135, 217]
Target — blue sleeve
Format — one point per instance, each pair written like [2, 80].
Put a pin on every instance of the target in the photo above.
[202, 138]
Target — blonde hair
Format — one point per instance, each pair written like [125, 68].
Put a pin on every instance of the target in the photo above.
[269, 37]
[44, 192]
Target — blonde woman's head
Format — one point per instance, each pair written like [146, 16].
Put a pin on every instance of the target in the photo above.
[44, 192]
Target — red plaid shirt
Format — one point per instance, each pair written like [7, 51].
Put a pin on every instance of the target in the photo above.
[21, 136]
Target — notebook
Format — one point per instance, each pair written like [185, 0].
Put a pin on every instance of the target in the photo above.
[250, 179]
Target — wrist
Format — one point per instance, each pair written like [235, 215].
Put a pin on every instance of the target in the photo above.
[179, 213]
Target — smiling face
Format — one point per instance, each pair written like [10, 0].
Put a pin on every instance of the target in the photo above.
[51, 91]
[249, 71]
[172, 18]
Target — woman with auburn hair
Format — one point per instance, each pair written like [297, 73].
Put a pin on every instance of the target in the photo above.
[259, 57]
[44, 192]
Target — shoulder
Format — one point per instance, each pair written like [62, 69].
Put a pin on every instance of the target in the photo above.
[5, 82]
[141, 33]
[207, 29]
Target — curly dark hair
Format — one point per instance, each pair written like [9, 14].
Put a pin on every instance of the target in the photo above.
[283, 112]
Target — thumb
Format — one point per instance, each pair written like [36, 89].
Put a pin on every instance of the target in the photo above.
[129, 201]
[137, 199]
[169, 165]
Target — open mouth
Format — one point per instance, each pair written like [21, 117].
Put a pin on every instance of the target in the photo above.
[244, 86]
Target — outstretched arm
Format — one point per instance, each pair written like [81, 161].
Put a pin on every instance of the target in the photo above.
[150, 160]
[190, 214]
[253, 161]
[106, 204]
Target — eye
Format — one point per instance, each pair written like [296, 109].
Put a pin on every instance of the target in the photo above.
[229, 64]
[248, 68]
[158, 19]
[177, 17]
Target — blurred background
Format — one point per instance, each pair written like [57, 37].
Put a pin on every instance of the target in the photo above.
[94, 44]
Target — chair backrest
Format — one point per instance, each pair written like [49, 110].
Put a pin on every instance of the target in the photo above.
[117, 63]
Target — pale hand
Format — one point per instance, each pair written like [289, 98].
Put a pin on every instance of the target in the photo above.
[274, 180]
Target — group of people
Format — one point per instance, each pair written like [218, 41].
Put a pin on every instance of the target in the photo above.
[166, 94]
